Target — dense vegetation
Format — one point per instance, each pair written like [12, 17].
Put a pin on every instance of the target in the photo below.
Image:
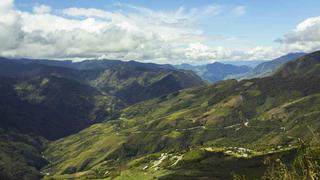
[20, 156]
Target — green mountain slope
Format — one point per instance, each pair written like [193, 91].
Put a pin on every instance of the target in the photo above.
[240, 123]
[20, 156]
[304, 66]
[54, 101]
[32, 68]
[130, 81]
[51, 106]
[134, 83]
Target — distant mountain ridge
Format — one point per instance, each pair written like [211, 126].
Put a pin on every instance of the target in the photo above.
[87, 64]
[250, 63]
[269, 67]
[215, 71]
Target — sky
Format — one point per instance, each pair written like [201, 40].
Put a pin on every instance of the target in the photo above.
[166, 31]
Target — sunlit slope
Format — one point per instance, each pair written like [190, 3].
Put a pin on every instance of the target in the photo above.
[190, 118]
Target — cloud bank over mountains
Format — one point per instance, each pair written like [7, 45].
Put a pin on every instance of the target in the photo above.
[305, 37]
[139, 33]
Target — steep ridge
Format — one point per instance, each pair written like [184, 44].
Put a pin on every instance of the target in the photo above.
[262, 116]
[305, 66]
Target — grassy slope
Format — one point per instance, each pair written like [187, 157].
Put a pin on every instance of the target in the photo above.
[210, 116]
[259, 114]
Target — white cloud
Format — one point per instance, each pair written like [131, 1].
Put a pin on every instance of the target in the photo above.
[6, 6]
[10, 26]
[198, 51]
[142, 34]
[305, 37]
[138, 33]
[41, 9]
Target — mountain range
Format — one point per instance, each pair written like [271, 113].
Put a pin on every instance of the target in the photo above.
[61, 101]
[215, 71]
[181, 134]
[250, 63]
[129, 120]
[267, 68]
[239, 70]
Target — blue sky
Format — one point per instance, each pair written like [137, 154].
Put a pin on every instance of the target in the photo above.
[263, 22]
[217, 29]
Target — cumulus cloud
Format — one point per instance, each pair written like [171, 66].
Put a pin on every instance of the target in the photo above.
[6, 6]
[10, 27]
[142, 34]
[200, 51]
[137, 33]
[305, 37]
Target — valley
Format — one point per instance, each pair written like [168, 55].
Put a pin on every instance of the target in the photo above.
[210, 116]
[231, 126]
[159, 90]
